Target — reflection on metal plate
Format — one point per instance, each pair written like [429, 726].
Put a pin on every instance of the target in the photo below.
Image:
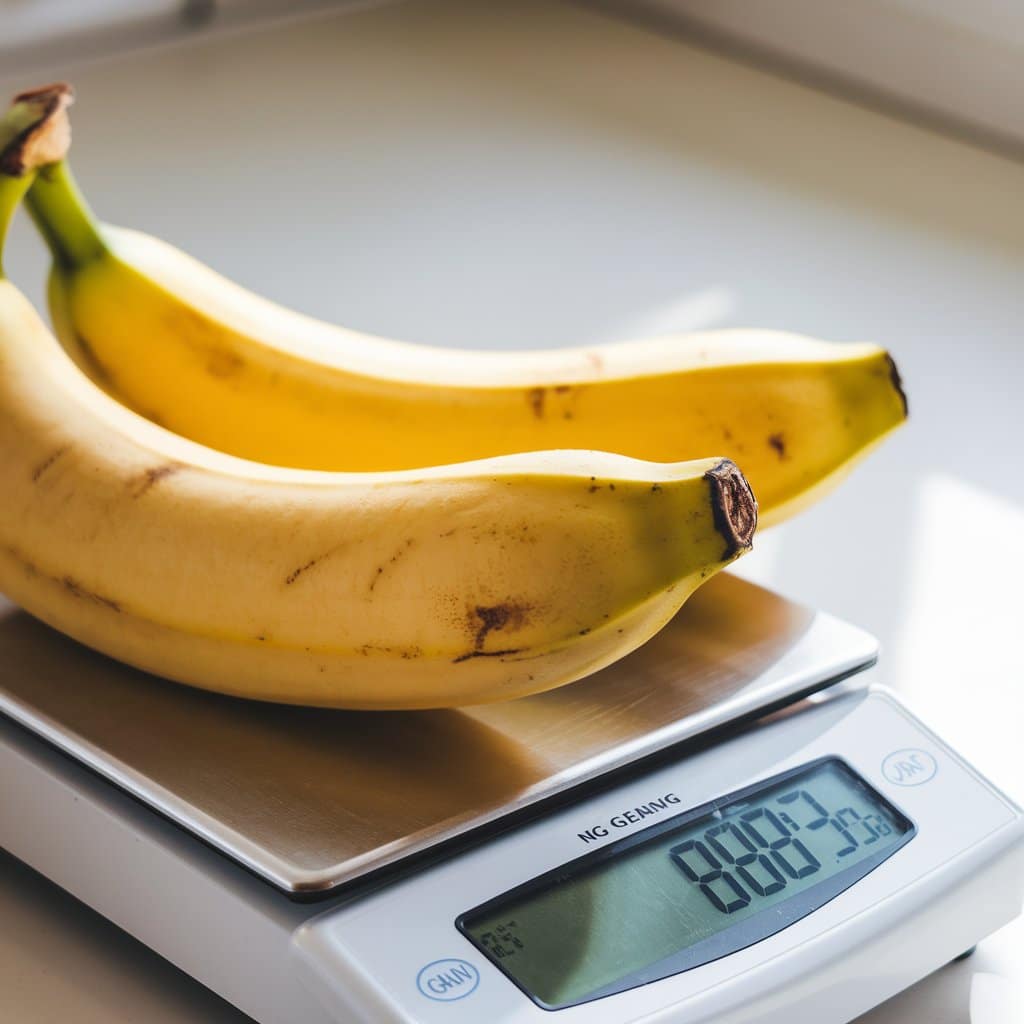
[312, 798]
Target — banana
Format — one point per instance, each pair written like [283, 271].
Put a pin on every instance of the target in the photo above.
[215, 363]
[451, 585]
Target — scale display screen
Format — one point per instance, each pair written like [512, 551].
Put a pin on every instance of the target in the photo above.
[692, 889]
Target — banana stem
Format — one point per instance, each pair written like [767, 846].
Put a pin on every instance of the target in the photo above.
[64, 218]
[34, 133]
[11, 192]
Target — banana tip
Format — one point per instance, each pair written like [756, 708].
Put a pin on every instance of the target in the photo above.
[897, 383]
[733, 505]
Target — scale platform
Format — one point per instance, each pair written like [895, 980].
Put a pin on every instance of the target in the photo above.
[311, 800]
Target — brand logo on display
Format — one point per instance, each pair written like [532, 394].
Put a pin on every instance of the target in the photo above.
[447, 980]
[909, 767]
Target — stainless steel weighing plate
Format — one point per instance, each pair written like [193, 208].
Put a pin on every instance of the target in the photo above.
[312, 799]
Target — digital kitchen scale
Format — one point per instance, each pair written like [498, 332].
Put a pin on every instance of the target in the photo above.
[709, 830]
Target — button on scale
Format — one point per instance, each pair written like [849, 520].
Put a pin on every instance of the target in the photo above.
[910, 767]
[447, 980]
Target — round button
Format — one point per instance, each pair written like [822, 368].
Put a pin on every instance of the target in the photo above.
[447, 980]
[910, 767]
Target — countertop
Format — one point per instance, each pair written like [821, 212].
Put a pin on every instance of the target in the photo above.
[540, 174]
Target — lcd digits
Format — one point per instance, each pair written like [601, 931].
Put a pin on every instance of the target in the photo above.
[732, 863]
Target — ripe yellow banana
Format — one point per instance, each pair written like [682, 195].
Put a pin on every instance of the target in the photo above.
[403, 589]
[215, 363]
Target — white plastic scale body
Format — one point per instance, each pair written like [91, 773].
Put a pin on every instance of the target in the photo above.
[801, 866]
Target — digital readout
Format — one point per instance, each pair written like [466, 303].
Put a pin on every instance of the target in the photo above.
[691, 889]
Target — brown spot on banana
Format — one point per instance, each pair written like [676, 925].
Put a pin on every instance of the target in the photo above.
[76, 589]
[535, 398]
[733, 506]
[68, 583]
[223, 363]
[306, 566]
[486, 654]
[151, 477]
[49, 461]
[777, 442]
[483, 620]
[391, 561]
[491, 618]
[297, 572]
[31, 569]
[406, 653]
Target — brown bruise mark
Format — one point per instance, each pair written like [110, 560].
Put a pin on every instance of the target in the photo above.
[297, 572]
[306, 566]
[152, 476]
[535, 398]
[448, 533]
[221, 363]
[49, 461]
[486, 654]
[207, 341]
[76, 589]
[777, 442]
[571, 392]
[31, 569]
[405, 653]
[68, 583]
[483, 620]
[391, 561]
[509, 655]
[655, 488]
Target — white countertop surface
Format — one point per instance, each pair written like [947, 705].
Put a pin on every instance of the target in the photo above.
[540, 174]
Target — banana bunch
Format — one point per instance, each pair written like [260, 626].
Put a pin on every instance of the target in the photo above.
[390, 585]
